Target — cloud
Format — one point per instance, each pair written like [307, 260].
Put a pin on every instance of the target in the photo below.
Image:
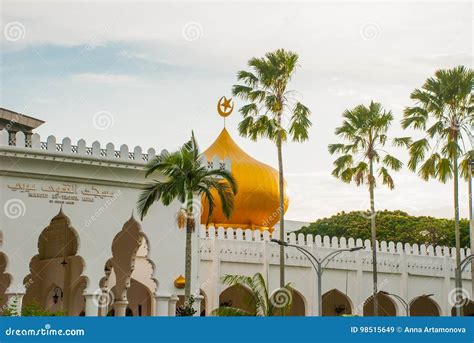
[108, 79]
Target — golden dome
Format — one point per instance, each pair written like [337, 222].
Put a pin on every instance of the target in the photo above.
[256, 205]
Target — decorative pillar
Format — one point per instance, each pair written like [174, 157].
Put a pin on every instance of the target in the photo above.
[92, 304]
[162, 305]
[197, 305]
[120, 308]
[172, 305]
[359, 300]
[15, 302]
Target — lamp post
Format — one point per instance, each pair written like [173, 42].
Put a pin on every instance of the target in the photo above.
[318, 265]
[459, 270]
[405, 304]
[471, 209]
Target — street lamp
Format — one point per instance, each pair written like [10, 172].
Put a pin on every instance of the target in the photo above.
[405, 304]
[318, 265]
[471, 208]
[464, 263]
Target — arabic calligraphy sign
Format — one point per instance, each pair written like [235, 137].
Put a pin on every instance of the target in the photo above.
[67, 193]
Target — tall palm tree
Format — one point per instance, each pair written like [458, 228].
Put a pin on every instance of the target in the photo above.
[182, 177]
[363, 159]
[444, 110]
[265, 304]
[271, 112]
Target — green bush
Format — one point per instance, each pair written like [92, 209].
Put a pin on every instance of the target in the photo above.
[396, 226]
[29, 310]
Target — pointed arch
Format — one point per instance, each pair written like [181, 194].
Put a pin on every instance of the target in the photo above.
[336, 303]
[129, 263]
[56, 267]
[238, 296]
[424, 306]
[386, 306]
[298, 304]
[467, 308]
[5, 279]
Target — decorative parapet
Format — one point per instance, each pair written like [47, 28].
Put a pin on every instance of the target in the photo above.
[247, 246]
[34, 144]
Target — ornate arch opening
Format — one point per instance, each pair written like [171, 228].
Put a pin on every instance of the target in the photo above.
[5, 280]
[239, 297]
[424, 306]
[129, 273]
[55, 282]
[298, 304]
[336, 303]
[386, 306]
[467, 308]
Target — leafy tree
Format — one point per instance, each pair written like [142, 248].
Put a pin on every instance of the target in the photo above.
[265, 304]
[395, 226]
[269, 105]
[444, 110]
[364, 130]
[184, 179]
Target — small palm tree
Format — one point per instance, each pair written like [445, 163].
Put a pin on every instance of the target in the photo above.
[363, 158]
[269, 103]
[264, 303]
[183, 178]
[444, 110]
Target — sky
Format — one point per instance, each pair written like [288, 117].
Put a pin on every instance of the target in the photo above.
[147, 73]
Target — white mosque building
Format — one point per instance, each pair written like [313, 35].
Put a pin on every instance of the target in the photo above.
[69, 236]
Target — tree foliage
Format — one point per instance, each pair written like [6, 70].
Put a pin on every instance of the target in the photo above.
[396, 226]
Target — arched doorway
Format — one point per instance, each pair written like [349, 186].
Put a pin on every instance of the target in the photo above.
[298, 304]
[386, 306]
[128, 283]
[56, 282]
[239, 297]
[5, 280]
[336, 303]
[467, 309]
[424, 306]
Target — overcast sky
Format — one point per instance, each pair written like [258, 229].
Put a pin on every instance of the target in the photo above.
[146, 73]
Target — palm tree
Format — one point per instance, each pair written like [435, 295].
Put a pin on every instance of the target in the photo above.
[269, 104]
[363, 158]
[182, 177]
[444, 111]
[265, 304]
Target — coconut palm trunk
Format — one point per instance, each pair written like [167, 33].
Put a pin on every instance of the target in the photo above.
[281, 210]
[188, 254]
[374, 237]
[457, 234]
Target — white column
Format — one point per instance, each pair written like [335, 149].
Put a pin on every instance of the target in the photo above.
[92, 304]
[15, 302]
[358, 309]
[403, 283]
[162, 305]
[446, 306]
[120, 308]
[172, 305]
[197, 305]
